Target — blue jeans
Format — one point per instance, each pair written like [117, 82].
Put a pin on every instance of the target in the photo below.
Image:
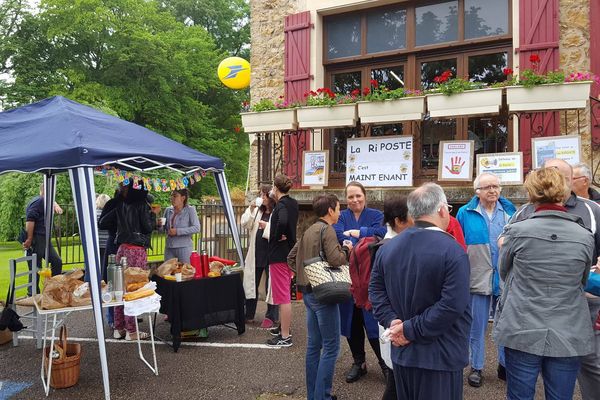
[322, 348]
[522, 370]
[480, 311]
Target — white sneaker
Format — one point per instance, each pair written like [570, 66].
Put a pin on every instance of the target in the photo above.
[119, 334]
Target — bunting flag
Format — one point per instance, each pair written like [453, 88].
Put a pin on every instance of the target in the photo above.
[151, 184]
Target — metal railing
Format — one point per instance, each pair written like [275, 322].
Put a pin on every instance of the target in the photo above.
[214, 237]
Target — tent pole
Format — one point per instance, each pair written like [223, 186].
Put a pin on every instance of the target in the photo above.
[229, 213]
[49, 197]
[82, 184]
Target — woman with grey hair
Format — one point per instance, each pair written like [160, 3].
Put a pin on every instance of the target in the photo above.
[542, 318]
[181, 223]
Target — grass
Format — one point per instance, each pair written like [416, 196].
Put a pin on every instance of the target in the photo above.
[12, 250]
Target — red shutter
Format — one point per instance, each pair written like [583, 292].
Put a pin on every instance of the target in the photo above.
[595, 67]
[297, 82]
[538, 34]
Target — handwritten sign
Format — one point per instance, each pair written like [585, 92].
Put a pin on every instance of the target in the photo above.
[566, 148]
[380, 161]
[507, 166]
[314, 168]
[456, 160]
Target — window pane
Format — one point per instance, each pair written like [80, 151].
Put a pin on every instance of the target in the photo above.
[339, 141]
[343, 36]
[490, 135]
[390, 77]
[386, 130]
[386, 30]
[432, 132]
[485, 18]
[345, 82]
[437, 23]
[488, 68]
[431, 69]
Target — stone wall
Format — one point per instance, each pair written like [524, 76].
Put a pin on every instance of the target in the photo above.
[574, 51]
[267, 53]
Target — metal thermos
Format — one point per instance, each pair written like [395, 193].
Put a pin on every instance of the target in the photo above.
[119, 281]
[110, 272]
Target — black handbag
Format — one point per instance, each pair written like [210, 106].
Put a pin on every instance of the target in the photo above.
[9, 318]
[330, 285]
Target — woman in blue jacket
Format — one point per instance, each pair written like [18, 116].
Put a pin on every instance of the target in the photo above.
[356, 222]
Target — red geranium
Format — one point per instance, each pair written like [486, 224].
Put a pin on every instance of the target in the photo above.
[374, 83]
[355, 93]
[507, 71]
[366, 91]
[534, 59]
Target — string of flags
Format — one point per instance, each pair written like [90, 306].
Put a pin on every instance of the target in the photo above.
[151, 184]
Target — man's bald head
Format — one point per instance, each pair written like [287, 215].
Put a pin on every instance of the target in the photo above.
[563, 167]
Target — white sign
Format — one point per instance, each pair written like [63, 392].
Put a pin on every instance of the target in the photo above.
[507, 166]
[315, 168]
[380, 161]
[456, 160]
[566, 148]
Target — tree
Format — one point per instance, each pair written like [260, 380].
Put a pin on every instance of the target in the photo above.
[227, 21]
[136, 59]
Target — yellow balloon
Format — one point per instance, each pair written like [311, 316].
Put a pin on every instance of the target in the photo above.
[234, 72]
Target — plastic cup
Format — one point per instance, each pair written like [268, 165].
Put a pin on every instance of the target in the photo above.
[118, 295]
[178, 276]
[162, 221]
[258, 201]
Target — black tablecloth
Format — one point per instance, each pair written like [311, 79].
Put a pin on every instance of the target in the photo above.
[201, 303]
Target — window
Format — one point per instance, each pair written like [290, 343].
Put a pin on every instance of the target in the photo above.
[344, 36]
[406, 45]
[488, 68]
[437, 23]
[390, 77]
[485, 18]
[386, 30]
[431, 69]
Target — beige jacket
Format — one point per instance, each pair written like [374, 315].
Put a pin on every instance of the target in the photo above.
[308, 247]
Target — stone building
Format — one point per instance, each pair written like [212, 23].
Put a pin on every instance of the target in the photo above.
[343, 45]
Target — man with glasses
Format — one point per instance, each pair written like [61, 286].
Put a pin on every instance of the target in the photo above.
[589, 211]
[483, 219]
[582, 179]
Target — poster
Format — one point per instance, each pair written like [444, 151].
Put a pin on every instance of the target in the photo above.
[380, 161]
[566, 148]
[507, 166]
[456, 160]
[314, 168]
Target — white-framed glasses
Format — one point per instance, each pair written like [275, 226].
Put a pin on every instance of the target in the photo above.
[490, 187]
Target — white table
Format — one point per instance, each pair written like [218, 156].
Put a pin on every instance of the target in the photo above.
[58, 318]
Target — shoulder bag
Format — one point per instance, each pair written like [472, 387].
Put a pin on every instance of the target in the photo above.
[9, 317]
[330, 285]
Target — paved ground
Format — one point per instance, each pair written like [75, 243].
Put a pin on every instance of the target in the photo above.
[218, 368]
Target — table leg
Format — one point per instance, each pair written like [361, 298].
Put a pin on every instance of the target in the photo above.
[47, 376]
[141, 354]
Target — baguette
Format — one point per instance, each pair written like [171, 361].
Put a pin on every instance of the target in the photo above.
[138, 294]
[132, 287]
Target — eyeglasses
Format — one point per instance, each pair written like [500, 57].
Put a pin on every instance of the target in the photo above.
[490, 187]
[448, 206]
[579, 177]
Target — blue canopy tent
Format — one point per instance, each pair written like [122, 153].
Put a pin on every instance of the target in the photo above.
[60, 135]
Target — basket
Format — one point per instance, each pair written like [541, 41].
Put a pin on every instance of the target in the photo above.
[65, 368]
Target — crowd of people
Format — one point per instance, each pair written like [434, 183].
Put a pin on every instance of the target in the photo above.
[437, 281]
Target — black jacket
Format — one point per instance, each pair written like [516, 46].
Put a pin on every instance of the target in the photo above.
[133, 222]
[284, 220]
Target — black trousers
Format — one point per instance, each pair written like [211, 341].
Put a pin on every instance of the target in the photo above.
[356, 341]
[427, 384]
[390, 386]
[38, 246]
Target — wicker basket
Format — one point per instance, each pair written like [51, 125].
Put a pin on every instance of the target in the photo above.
[65, 368]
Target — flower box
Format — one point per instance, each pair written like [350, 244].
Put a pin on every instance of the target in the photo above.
[389, 111]
[270, 121]
[554, 96]
[469, 102]
[327, 116]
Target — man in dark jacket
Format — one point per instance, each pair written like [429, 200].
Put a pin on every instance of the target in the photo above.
[420, 291]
